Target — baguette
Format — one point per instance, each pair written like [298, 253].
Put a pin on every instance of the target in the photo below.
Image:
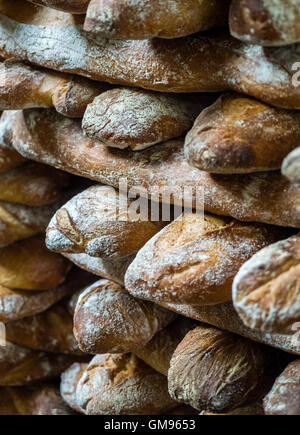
[93, 222]
[265, 22]
[121, 384]
[28, 265]
[239, 135]
[266, 291]
[283, 399]
[23, 86]
[17, 304]
[69, 382]
[50, 331]
[137, 119]
[194, 259]
[192, 64]
[20, 366]
[38, 400]
[161, 170]
[108, 320]
[218, 371]
[9, 157]
[291, 166]
[32, 184]
[117, 19]
[72, 6]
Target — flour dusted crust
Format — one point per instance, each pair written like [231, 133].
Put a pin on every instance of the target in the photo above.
[241, 135]
[108, 319]
[72, 6]
[194, 259]
[95, 222]
[141, 19]
[266, 291]
[284, 397]
[191, 64]
[9, 157]
[121, 384]
[262, 197]
[21, 366]
[68, 384]
[291, 166]
[265, 22]
[137, 119]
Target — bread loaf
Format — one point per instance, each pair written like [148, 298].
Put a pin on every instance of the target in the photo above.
[194, 259]
[69, 382]
[17, 304]
[108, 320]
[117, 19]
[266, 291]
[23, 86]
[32, 184]
[28, 265]
[9, 157]
[161, 170]
[265, 22]
[99, 222]
[283, 399]
[241, 135]
[121, 384]
[291, 166]
[192, 64]
[135, 118]
[218, 371]
[21, 366]
[72, 6]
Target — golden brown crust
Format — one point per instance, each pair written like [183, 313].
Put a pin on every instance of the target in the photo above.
[194, 259]
[29, 265]
[144, 19]
[108, 320]
[284, 397]
[93, 222]
[211, 63]
[215, 370]
[241, 135]
[121, 384]
[262, 197]
[291, 166]
[265, 22]
[266, 291]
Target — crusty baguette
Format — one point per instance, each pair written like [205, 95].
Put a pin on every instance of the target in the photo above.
[265, 22]
[72, 6]
[29, 265]
[283, 399]
[291, 166]
[69, 382]
[161, 170]
[108, 320]
[136, 118]
[38, 400]
[191, 64]
[32, 184]
[158, 352]
[98, 222]
[50, 331]
[219, 371]
[21, 366]
[119, 19]
[225, 317]
[124, 385]
[241, 135]
[23, 86]
[17, 304]
[266, 292]
[195, 258]
[9, 157]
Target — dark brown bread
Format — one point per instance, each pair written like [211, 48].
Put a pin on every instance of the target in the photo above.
[9, 157]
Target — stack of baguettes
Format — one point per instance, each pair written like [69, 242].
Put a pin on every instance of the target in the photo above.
[189, 314]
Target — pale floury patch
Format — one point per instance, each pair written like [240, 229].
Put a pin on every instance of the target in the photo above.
[296, 76]
[2, 334]
[296, 336]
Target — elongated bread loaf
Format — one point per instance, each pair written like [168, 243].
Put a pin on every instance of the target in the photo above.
[241, 135]
[108, 320]
[195, 258]
[99, 222]
[119, 19]
[161, 170]
[291, 166]
[23, 86]
[191, 64]
[265, 22]
[72, 6]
